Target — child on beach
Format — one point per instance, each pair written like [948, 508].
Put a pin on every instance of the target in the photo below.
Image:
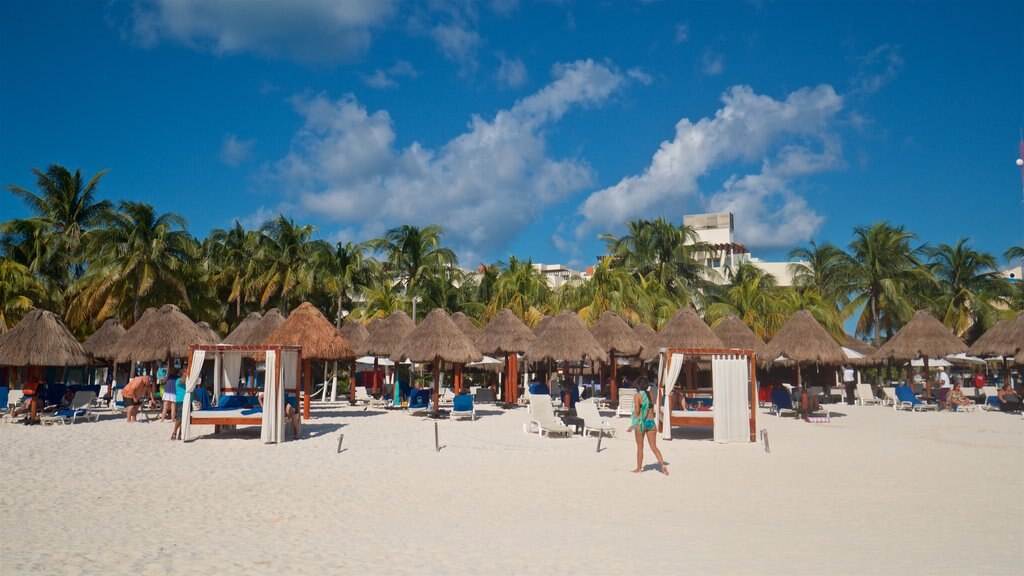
[643, 425]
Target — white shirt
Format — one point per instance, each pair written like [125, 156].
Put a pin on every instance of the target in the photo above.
[848, 375]
[944, 379]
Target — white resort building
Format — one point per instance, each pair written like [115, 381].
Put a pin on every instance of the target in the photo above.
[716, 229]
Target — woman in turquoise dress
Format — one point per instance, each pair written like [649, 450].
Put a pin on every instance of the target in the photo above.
[643, 424]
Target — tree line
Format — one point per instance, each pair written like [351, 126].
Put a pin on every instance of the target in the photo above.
[89, 259]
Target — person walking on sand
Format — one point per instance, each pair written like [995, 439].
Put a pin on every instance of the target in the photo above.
[643, 424]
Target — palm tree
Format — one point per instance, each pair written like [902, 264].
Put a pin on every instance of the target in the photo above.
[345, 269]
[969, 283]
[1015, 254]
[413, 253]
[287, 258]
[884, 273]
[137, 254]
[821, 268]
[229, 255]
[522, 289]
[19, 292]
[754, 297]
[382, 298]
[610, 288]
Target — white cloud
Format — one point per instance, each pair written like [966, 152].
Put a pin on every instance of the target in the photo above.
[780, 134]
[640, 76]
[388, 78]
[877, 68]
[712, 63]
[483, 186]
[234, 151]
[311, 31]
[682, 32]
[511, 73]
[458, 43]
[504, 7]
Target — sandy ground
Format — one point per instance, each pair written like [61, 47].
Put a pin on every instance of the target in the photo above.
[872, 492]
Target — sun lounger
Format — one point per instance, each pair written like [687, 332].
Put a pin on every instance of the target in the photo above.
[865, 395]
[462, 407]
[592, 422]
[906, 400]
[543, 418]
[625, 408]
[782, 402]
[419, 402]
[485, 396]
[447, 397]
[78, 409]
[890, 395]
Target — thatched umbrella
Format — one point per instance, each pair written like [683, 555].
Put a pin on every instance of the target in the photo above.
[41, 339]
[356, 335]
[240, 335]
[541, 324]
[685, 330]
[802, 340]
[735, 334]
[1005, 340]
[566, 339]
[104, 343]
[271, 321]
[383, 340]
[437, 339]
[161, 335]
[466, 325]
[506, 335]
[210, 332]
[860, 347]
[616, 338]
[923, 337]
[648, 337]
[320, 340]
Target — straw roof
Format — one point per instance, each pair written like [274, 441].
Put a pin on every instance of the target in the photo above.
[541, 325]
[435, 337]
[372, 327]
[566, 338]
[466, 325]
[1005, 339]
[685, 330]
[41, 339]
[615, 336]
[210, 332]
[355, 333]
[735, 334]
[802, 339]
[858, 346]
[271, 321]
[307, 327]
[240, 335]
[647, 337]
[103, 344]
[505, 334]
[922, 336]
[161, 334]
[385, 339]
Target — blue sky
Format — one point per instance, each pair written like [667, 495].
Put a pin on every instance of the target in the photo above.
[528, 128]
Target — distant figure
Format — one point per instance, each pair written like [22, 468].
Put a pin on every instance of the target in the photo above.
[1009, 400]
[291, 411]
[133, 394]
[943, 379]
[850, 383]
[35, 392]
[979, 379]
[643, 424]
[170, 396]
[956, 397]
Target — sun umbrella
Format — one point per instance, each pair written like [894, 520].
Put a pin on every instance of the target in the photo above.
[507, 336]
[616, 338]
[802, 340]
[922, 337]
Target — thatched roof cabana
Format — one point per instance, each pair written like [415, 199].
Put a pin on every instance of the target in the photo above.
[384, 340]
[541, 324]
[1004, 340]
[307, 327]
[271, 321]
[685, 330]
[104, 343]
[922, 337]
[437, 339]
[648, 337]
[615, 336]
[803, 340]
[41, 339]
[240, 335]
[210, 332]
[505, 334]
[466, 325]
[356, 335]
[735, 334]
[566, 338]
[860, 347]
[161, 334]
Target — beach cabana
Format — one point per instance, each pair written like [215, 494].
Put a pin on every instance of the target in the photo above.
[38, 341]
[566, 339]
[103, 344]
[384, 339]
[735, 334]
[211, 334]
[356, 334]
[1004, 341]
[506, 335]
[802, 340]
[320, 340]
[472, 332]
[161, 334]
[283, 363]
[923, 337]
[240, 335]
[648, 337]
[617, 339]
[437, 339]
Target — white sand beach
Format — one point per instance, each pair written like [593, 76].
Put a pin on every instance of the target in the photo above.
[871, 492]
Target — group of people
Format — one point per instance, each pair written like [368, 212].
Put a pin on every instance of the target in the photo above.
[34, 402]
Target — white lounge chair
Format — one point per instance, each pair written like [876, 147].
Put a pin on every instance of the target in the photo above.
[543, 418]
[625, 408]
[865, 395]
[447, 397]
[592, 422]
[890, 396]
[362, 396]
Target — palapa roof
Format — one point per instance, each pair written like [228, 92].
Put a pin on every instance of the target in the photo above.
[355, 333]
[505, 334]
[271, 321]
[161, 334]
[437, 337]
[466, 325]
[566, 338]
[307, 327]
[735, 334]
[615, 336]
[103, 344]
[801, 339]
[240, 335]
[685, 330]
[541, 324]
[205, 327]
[1005, 339]
[859, 346]
[41, 339]
[385, 339]
[647, 337]
[922, 336]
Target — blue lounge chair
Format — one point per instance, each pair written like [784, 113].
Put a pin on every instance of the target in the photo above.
[419, 401]
[782, 402]
[462, 406]
[906, 400]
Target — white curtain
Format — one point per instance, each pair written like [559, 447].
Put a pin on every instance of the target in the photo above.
[272, 430]
[230, 367]
[730, 376]
[195, 370]
[673, 365]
